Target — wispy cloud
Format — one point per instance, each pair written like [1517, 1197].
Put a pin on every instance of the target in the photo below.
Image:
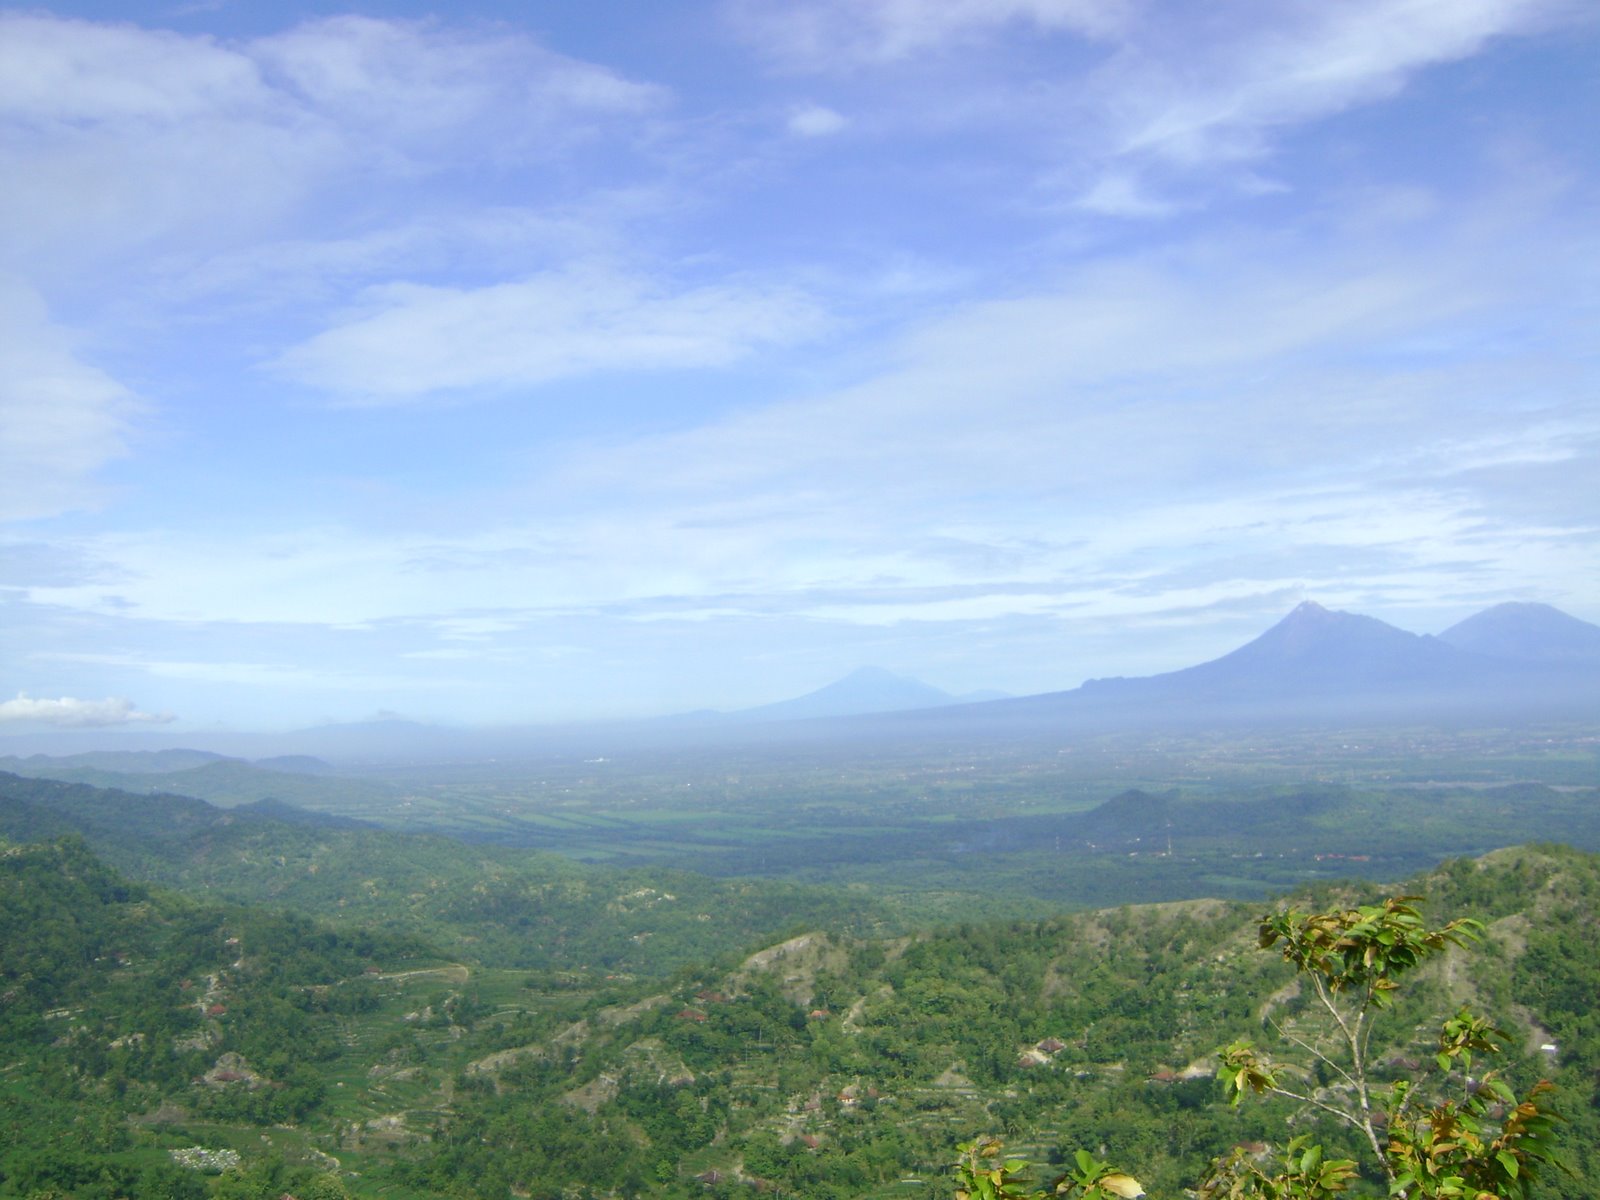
[816, 120]
[1132, 421]
[243, 674]
[415, 340]
[61, 420]
[354, 69]
[1196, 91]
[1135, 101]
[841, 35]
[196, 145]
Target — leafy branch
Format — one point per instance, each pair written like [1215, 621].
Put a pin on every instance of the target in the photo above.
[1480, 1142]
[984, 1172]
[1353, 959]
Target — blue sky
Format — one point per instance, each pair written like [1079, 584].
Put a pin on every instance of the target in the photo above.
[550, 361]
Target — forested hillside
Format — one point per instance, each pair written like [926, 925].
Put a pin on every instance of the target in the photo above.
[138, 1023]
[121, 1006]
[514, 908]
[835, 1069]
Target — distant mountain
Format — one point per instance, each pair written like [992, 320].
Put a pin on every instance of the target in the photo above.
[296, 764]
[225, 782]
[983, 696]
[274, 809]
[1314, 658]
[1510, 663]
[120, 762]
[383, 739]
[1316, 651]
[863, 691]
[1528, 633]
[1322, 665]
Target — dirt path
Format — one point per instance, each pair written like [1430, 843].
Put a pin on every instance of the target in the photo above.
[454, 973]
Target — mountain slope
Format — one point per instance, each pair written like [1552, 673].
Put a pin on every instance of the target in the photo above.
[1320, 665]
[1527, 633]
[1314, 656]
[863, 691]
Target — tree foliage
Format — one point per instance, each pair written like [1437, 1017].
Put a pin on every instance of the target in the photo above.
[1437, 1131]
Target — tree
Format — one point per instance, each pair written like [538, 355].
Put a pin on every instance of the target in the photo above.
[1434, 1132]
[983, 1172]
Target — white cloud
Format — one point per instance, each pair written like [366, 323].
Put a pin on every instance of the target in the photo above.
[837, 35]
[1068, 432]
[69, 712]
[423, 81]
[1134, 98]
[816, 120]
[1132, 361]
[1191, 98]
[318, 677]
[119, 139]
[59, 73]
[117, 136]
[416, 339]
[60, 419]
[1120, 194]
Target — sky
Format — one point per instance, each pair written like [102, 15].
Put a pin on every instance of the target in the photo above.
[491, 363]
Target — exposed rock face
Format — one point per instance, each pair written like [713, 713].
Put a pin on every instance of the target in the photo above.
[231, 1070]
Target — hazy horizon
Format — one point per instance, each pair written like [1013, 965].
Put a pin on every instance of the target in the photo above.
[536, 363]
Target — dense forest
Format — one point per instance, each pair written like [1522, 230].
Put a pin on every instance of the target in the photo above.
[116, 999]
[156, 1042]
[504, 906]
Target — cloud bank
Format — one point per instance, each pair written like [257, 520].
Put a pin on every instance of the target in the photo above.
[69, 713]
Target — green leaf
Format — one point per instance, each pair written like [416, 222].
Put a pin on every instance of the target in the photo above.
[1122, 1185]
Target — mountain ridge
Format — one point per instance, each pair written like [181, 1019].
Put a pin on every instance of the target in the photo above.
[1320, 664]
[864, 690]
[1527, 632]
